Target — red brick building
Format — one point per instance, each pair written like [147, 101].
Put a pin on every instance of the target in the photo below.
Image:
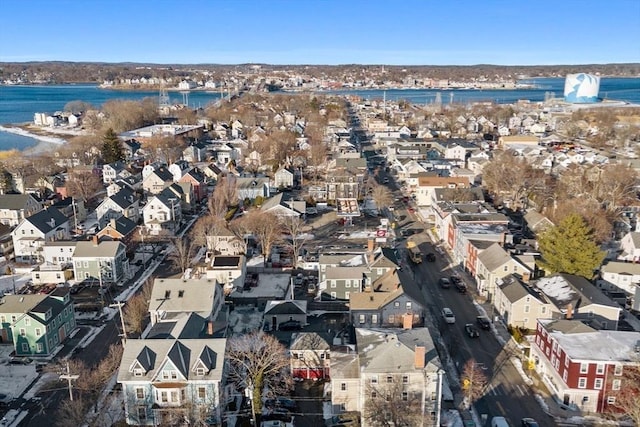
[587, 369]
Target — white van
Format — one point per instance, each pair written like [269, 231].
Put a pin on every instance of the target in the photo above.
[499, 422]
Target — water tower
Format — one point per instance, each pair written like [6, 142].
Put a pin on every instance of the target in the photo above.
[581, 88]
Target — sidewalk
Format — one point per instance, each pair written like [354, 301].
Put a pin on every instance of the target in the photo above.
[547, 400]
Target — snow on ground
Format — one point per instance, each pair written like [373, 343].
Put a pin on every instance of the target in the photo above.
[7, 281]
[269, 285]
[451, 418]
[14, 379]
[245, 319]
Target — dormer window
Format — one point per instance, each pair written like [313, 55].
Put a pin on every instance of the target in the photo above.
[200, 372]
[138, 372]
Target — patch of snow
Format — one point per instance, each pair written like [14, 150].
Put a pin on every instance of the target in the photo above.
[556, 287]
[517, 363]
[542, 403]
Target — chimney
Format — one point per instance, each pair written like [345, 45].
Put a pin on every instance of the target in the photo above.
[210, 328]
[112, 223]
[371, 245]
[420, 354]
[407, 321]
[95, 240]
[569, 314]
[526, 276]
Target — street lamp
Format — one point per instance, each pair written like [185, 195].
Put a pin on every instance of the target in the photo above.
[173, 215]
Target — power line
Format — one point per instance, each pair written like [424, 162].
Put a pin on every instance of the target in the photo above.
[69, 377]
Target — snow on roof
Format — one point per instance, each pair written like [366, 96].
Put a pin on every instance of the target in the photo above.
[556, 288]
[269, 285]
[600, 345]
[354, 262]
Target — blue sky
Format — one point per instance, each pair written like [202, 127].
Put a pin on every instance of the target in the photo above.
[399, 32]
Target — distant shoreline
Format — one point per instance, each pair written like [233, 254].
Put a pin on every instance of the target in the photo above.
[45, 142]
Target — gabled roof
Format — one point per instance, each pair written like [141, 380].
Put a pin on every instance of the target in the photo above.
[392, 350]
[514, 290]
[286, 307]
[309, 341]
[124, 198]
[567, 289]
[185, 355]
[47, 219]
[494, 257]
[14, 201]
[385, 257]
[104, 249]
[163, 173]
[123, 226]
[182, 295]
[118, 166]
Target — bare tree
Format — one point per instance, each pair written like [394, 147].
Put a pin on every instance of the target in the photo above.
[181, 254]
[72, 413]
[224, 195]
[265, 227]
[474, 381]
[258, 362]
[381, 196]
[293, 225]
[206, 229]
[627, 394]
[83, 185]
[389, 404]
[135, 313]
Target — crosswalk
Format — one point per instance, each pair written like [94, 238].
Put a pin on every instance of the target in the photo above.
[501, 390]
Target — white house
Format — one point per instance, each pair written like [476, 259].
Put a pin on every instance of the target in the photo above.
[44, 226]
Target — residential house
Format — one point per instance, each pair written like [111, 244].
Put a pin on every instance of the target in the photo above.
[113, 171]
[37, 324]
[618, 276]
[130, 148]
[283, 178]
[157, 180]
[196, 152]
[250, 188]
[6, 242]
[58, 252]
[16, 207]
[44, 226]
[198, 182]
[630, 246]
[384, 304]
[166, 380]
[133, 183]
[162, 213]
[536, 222]
[212, 172]
[225, 242]
[310, 356]
[284, 208]
[521, 305]
[277, 312]
[493, 264]
[178, 169]
[186, 308]
[426, 185]
[104, 262]
[230, 271]
[121, 229]
[585, 369]
[578, 298]
[384, 359]
[122, 204]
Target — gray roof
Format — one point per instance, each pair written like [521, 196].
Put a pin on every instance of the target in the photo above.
[514, 290]
[182, 295]
[286, 307]
[344, 364]
[393, 350]
[30, 304]
[630, 268]
[564, 289]
[47, 219]
[14, 201]
[104, 249]
[124, 198]
[186, 356]
[309, 341]
[494, 257]
[123, 225]
[338, 273]
[566, 326]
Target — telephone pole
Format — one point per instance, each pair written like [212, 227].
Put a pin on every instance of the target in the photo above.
[69, 378]
[119, 304]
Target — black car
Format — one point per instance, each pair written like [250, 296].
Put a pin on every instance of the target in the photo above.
[430, 257]
[529, 422]
[444, 283]
[484, 322]
[281, 402]
[290, 325]
[460, 286]
[471, 330]
[20, 361]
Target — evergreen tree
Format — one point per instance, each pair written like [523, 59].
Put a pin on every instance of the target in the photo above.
[112, 150]
[570, 248]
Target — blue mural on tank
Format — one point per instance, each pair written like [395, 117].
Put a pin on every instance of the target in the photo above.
[581, 88]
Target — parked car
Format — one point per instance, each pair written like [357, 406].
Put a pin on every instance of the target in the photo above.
[444, 283]
[430, 257]
[281, 402]
[483, 322]
[529, 422]
[290, 325]
[461, 287]
[20, 361]
[471, 330]
[448, 315]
